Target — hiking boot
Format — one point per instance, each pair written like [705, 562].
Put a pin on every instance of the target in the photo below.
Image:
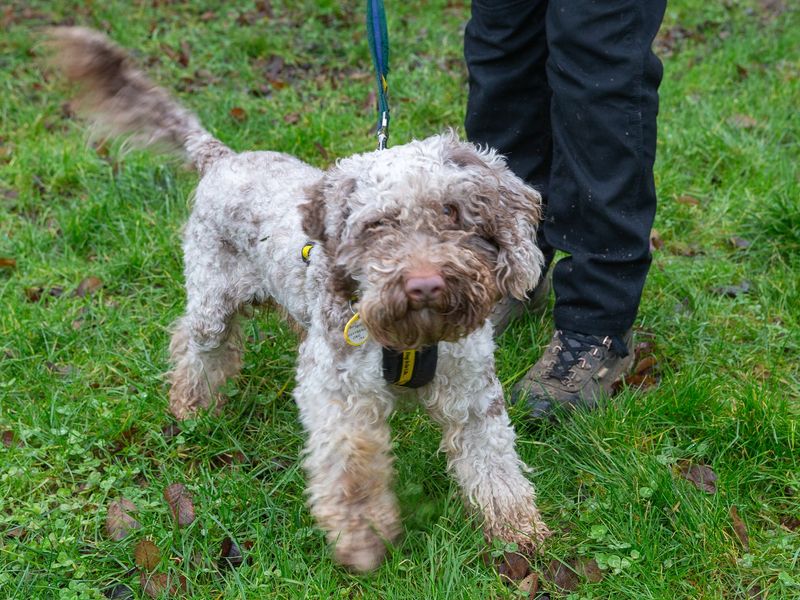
[575, 371]
[509, 309]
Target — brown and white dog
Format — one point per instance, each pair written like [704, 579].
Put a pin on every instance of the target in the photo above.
[412, 247]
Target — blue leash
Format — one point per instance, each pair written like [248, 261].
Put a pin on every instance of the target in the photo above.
[378, 37]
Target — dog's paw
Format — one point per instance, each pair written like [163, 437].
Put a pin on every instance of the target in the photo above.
[528, 537]
[360, 551]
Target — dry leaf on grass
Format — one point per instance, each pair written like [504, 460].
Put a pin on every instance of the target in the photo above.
[180, 503]
[119, 521]
[563, 575]
[687, 200]
[88, 286]
[238, 114]
[119, 592]
[9, 439]
[36, 293]
[703, 478]
[530, 585]
[656, 243]
[739, 528]
[742, 121]
[8, 263]
[739, 243]
[146, 555]
[170, 431]
[512, 566]
[231, 557]
[156, 584]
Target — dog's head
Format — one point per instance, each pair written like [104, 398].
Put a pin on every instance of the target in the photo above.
[426, 236]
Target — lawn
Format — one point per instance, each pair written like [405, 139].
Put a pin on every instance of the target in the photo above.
[685, 485]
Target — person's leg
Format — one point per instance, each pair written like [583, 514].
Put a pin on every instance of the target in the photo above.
[508, 107]
[604, 80]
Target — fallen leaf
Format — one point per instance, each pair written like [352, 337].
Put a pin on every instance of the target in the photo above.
[180, 503]
[529, 585]
[755, 592]
[687, 200]
[589, 569]
[732, 291]
[512, 566]
[742, 121]
[739, 528]
[321, 149]
[170, 431]
[156, 584]
[36, 293]
[231, 557]
[742, 71]
[563, 575]
[146, 555]
[16, 532]
[642, 382]
[791, 523]
[88, 286]
[58, 369]
[119, 521]
[291, 118]
[644, 365]
[9, 439]
[119, 592]
[701, 476]
[185, 53]
[238, 114]
[656, 243]
[8, 263]
[739, 243]
[209, 15]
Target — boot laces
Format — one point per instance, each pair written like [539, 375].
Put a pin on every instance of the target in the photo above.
[572, 348]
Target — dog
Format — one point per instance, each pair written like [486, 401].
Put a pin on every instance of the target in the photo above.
[390, 261]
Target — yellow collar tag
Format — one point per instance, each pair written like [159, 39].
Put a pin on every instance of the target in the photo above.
[355, 332]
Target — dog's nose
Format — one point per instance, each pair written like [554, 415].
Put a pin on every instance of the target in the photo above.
[424, 286]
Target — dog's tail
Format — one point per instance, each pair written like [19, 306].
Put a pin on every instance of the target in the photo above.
[120, 100]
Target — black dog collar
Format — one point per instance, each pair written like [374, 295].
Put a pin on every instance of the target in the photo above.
[410, 368]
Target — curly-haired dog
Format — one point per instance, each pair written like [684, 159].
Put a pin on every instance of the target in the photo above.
[418, 241]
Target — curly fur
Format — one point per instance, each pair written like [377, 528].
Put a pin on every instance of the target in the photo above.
[437, 205]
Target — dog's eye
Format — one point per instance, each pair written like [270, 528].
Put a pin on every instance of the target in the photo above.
[451, 212]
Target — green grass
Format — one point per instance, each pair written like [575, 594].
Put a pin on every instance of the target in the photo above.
[81, 385]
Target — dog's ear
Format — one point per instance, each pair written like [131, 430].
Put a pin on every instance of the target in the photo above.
[313, 211]
[510, 212]
[325, 210]
[323, 218]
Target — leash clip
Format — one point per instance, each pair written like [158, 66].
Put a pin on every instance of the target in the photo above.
[383, 131]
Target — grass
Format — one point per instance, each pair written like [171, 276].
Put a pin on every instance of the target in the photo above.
[83, 400]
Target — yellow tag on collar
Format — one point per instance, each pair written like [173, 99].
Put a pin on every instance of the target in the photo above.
[355, 332]
[305, 252]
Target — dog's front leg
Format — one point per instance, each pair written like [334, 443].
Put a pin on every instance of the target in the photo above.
[478, 439]
[348, 454]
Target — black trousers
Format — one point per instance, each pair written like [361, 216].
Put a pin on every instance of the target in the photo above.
[568, 91]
